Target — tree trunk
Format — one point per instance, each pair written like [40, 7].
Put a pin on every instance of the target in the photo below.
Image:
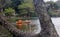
[9, 26]
[14, 30]
[47, 27]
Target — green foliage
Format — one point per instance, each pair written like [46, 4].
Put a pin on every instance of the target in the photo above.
[21, 7]
[30, 1]
[8, 3]
[4, 32]
[27, 8]
[15, 3]
[26, 5]
[58, 3]
[9, 12]
[53, 9]
[3, 3]
[53, 5]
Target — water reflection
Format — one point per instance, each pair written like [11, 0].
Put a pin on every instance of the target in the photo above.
[56, 22]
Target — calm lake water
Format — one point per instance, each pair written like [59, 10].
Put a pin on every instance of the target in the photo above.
[56, 22]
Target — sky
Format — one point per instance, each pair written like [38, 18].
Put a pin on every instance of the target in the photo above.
[51, 0]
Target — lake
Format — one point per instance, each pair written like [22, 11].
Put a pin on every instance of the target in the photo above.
[55, 20]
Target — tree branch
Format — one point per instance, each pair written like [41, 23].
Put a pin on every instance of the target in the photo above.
[9, 26]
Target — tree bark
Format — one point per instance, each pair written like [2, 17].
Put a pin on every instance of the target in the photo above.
[9, 26]
[16, 32]
[47, 27]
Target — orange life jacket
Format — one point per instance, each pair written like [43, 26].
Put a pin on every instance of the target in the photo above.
[19, 24]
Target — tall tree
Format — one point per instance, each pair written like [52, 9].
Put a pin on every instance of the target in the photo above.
[47, 27]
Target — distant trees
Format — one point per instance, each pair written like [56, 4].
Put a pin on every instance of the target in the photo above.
[2, 4]
[58, 3]
[26, 9]
[21, 7]
[9, 12]
[52, 8]
[47, 27]
[52, 5]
